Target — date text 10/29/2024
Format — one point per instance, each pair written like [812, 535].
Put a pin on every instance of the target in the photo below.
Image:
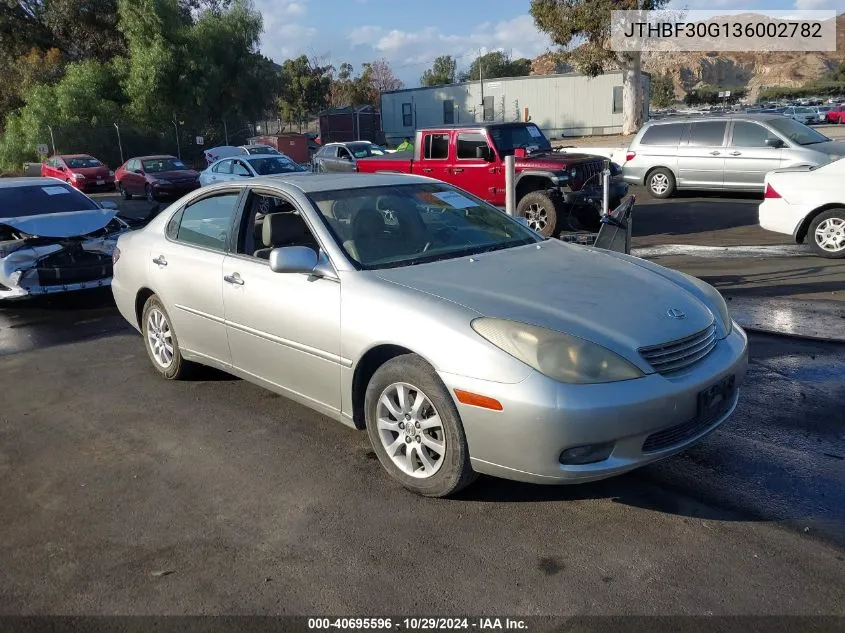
[417, 624]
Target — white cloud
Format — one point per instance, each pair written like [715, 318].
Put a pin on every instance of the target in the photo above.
[284, 36]
[364, 34]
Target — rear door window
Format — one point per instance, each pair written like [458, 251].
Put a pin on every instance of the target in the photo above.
[707, 133]
[207, 222]
[669, 134]
[436, 146]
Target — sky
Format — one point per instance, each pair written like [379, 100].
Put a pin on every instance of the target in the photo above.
[410, 34]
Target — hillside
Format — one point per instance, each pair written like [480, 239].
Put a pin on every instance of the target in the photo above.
[730, 70]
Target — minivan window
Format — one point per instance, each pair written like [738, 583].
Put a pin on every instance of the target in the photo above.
[707, 133]
[797, 132]
[669, 134]
[750, 135]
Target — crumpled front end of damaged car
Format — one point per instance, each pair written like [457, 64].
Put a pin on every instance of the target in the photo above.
[32, 266]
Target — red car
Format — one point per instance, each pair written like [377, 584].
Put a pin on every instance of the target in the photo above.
[154, 177]
[836, 114]
[82, 171]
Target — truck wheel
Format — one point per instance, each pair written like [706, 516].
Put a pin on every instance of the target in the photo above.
[541, 210]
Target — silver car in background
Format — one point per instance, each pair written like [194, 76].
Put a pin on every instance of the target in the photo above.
[343, 157]
[722, 153]
[409, 308]
[252, 166]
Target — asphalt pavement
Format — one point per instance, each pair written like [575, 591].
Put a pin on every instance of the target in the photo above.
[121, 493]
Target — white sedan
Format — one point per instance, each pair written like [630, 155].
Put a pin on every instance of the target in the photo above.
[808, 203]
[249, 166]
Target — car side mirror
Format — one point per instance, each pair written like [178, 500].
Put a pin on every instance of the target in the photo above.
[293, 259]
[483, 152]
[774, 142]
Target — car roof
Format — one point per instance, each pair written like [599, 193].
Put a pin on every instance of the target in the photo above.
[695, 118]
[72, 156]
[478, 124]
[9, 183]
[313, 183]
[153, 157]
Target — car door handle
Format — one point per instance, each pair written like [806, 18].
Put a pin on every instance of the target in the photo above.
[736, 153]
[160, 261]
[427, 170]
[234, 278]
[715, 153]
[458, 170]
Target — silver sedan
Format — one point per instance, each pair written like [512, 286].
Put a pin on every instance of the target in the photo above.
[462, 341]
[252, 166]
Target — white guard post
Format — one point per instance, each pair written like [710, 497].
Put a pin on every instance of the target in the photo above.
[510, 190]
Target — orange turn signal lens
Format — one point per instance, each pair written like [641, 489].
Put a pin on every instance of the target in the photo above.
[476, 400]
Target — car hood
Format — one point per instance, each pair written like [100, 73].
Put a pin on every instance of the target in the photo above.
[69, 224]
[553, 161]
[176, 174]
[831, 148]
[567, 288]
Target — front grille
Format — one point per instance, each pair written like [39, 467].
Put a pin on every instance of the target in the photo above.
[587, 174]
[674, 356]
[73, 267]
[675, 435]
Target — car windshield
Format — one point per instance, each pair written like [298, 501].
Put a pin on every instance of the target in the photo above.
[405, 225]
[365, 150]
[28, 200]
[156, 165]
[262, 149]
[81, 163]
[507, 138]
[797, 132]
[274, 165]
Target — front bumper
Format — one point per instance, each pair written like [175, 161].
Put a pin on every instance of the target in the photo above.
[592, 196]
[18, 292]
[542, 417]
[93, 184]
[177, 190]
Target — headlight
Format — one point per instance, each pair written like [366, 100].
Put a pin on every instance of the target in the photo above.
[111, 173]
[78, 176]
[716, 302]
[162, 181]
[573, 172]
[559, 356]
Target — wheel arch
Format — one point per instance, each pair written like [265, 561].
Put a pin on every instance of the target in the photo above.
[140, 301]
[366, 366]
[530, 181]
[804, 226]
[651, 170]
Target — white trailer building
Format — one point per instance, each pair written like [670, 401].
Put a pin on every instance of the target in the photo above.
[562, 105]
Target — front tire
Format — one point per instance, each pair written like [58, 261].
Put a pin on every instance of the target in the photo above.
[542, 212]
[661, 183]
[160, 341]
[827, 233]
[415, 428]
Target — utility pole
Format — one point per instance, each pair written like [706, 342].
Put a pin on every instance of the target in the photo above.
[178, 147]
[481, 79]
[52, 139]
[119, 144]
[225, 132]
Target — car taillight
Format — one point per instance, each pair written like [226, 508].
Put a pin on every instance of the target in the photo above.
[630, 156]
[770, 192]
[115, 255]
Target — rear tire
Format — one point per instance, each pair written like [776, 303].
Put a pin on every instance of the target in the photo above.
[661, 183]
[827, 233]
[418, 437]
[542, 212]
[126, 195]
[161, 343]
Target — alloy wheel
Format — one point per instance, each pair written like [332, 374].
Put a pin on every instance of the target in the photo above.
[659, 184]
[537, 217]
[410, 430]
[830, 235]
[160, 338]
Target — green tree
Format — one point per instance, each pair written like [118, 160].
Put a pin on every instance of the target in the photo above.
[496, 64]
[662, 91]
[442, 72]
[305, 88]
[568, 21]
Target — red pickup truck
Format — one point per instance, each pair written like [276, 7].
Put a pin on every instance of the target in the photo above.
[553, 191]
